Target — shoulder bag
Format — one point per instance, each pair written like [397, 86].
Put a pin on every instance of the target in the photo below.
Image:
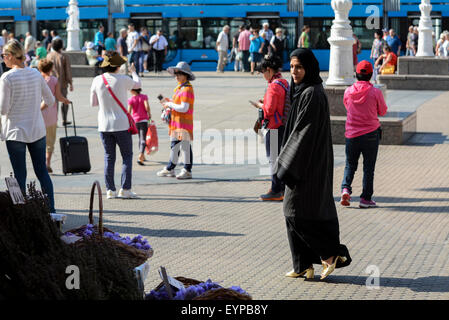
[132, 125]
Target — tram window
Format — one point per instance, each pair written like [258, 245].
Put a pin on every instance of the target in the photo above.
[191, 34]
[211, 29]
[319, 32]
[289, 32]
[365, 36]
[171, 32]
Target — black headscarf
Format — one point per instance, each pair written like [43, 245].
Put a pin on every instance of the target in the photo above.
[312, 69]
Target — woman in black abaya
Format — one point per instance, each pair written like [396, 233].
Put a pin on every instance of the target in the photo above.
[306, 165]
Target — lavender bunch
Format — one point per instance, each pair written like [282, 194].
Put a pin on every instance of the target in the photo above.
[137, 242]
[190, 292]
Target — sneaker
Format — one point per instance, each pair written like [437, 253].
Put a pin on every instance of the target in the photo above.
[127, 194]
[111, 194]
[345, 198]
[367, 203]
[184, 174]
[166, 173]
[272, 196]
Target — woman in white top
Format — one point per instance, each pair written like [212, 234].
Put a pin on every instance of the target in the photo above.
[113, 122]
[21, 93]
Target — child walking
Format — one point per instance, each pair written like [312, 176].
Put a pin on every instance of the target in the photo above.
[364, 103]
[50, 113]
[181, 122]
[139, 108]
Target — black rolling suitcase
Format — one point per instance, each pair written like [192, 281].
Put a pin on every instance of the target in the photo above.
[74, 151]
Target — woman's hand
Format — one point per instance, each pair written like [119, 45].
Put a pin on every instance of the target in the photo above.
[66, 101]
[43, 105]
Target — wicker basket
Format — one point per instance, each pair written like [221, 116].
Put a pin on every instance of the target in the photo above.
[214, 294]
[222, 294]
[128, 254]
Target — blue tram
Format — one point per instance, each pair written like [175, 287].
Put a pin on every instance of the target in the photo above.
[192, 26]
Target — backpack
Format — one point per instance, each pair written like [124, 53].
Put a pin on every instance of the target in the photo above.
[287, 104]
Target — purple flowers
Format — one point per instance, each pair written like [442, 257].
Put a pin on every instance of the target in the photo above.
[137, 242]
[190, 292]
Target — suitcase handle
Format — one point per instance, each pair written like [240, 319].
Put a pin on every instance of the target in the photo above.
[73, 117]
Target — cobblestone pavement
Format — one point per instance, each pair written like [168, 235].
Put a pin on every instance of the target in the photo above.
[215, 227]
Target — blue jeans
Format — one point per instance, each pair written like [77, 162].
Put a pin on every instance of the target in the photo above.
[367, 145]
[37, 150]
[176, 146]
[124, 141]
[134, 57]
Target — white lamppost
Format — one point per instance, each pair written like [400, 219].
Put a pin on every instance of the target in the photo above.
[73, 26]
[341, 69]
[425, 41]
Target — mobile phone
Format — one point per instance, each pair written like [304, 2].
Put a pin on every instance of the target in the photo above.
[160, 97]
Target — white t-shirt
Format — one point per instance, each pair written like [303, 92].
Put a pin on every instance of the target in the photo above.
[111, 117]
[224, 41]
[133, 36]
[445, 48]
[21, 93]
[160, 43]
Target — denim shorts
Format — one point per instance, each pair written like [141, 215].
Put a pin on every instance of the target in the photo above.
[256, 57]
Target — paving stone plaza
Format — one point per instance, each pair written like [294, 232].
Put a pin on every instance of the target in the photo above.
[214, 226]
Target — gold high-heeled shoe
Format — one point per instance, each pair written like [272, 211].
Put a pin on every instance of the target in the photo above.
[309, 273]
[328, 268]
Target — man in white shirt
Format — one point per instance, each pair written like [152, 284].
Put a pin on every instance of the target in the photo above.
[159, 44]
[134, 46]
[222, 48]
[268, 33]
[30, 44]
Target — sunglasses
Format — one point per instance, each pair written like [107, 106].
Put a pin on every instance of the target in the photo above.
[3, 55]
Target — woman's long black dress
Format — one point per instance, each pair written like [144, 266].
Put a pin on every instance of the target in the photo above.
[306, 165]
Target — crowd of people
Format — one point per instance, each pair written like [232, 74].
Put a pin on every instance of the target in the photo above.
[147, 52]
[248, 46]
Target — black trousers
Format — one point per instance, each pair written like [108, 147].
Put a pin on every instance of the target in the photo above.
[312, 241]
[159, 57]
[143, 128]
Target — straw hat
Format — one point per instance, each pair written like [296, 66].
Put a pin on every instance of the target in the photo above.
[182, 67]
[115, 61]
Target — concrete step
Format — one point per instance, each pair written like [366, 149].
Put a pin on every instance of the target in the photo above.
[397, 128]
[83, 71]
[414, 82]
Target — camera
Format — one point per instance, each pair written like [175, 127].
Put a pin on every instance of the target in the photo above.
[262, 120]
[160, 97]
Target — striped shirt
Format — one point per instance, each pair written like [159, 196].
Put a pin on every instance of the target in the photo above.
[181, 123]
[21, 93]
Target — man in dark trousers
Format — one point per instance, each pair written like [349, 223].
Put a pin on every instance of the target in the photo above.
[159, 44]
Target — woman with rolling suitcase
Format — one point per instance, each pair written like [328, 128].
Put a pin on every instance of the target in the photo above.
[21, 92]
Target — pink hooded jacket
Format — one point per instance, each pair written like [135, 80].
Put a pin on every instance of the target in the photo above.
[363, 104]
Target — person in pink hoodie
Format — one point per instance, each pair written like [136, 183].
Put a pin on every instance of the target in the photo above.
[364, 103]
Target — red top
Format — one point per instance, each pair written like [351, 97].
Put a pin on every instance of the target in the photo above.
[274, 102]
[394, 59]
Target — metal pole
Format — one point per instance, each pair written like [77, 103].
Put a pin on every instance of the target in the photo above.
[385, 14]
[110, 21]
[300, 25]
[34, 26]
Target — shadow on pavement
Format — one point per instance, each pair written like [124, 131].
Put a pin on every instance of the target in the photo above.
[424, 284]
[443, 189]
[172, 233]
[427, 139]
[132, 213]
[381, 200]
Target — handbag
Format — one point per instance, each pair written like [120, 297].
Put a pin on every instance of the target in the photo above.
[388, 69]
[132, 125]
